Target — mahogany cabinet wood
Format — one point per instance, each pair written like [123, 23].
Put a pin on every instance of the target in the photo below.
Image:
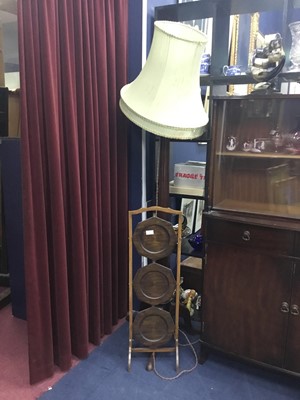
[292, 356]
[251, 289]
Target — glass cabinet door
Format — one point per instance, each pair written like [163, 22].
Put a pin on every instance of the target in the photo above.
[255, 165]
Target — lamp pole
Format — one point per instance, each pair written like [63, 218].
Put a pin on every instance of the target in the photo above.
[163, 172]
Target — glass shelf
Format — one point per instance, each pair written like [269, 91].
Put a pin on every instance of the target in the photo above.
[206, 80]
[249, 154]
[282, 210]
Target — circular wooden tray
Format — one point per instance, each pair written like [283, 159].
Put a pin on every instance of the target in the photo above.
[153, 327]
[154, 238]
[154, 284]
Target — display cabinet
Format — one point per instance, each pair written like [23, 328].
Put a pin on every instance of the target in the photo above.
[256, 155]
[220, 12]
[251, 297]
[251, 273]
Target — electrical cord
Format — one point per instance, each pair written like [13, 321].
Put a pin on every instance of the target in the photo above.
[185, 371]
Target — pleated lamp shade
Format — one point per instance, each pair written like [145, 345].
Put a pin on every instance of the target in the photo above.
[165, 98]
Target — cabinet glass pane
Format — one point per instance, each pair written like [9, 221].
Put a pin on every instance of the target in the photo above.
[256, 164]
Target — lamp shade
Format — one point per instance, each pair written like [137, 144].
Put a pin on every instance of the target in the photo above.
[165, 98]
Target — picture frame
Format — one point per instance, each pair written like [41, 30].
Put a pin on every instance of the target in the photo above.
[188, 208]
[198, 216]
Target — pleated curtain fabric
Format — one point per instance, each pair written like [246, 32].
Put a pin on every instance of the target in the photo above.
[74, 167]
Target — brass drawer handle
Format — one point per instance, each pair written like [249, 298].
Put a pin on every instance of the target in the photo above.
[284, 307]
[295, 309]
[246, 236]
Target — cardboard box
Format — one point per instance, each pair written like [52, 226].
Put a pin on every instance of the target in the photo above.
[190, 174]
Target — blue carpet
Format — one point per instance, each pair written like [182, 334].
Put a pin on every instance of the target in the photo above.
[104, 376]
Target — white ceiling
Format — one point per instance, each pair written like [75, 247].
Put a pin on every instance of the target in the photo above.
[6, 17]
[7, 7]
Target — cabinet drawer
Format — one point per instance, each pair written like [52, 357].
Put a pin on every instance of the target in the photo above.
[273, 240]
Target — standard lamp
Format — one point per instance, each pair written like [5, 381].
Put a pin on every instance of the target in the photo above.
[165, 98]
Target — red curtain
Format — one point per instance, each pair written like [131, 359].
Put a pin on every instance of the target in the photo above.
[74, 163]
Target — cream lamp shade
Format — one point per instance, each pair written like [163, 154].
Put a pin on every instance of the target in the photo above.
[165, 98]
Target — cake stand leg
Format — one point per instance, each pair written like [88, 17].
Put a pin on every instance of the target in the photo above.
[150, 364]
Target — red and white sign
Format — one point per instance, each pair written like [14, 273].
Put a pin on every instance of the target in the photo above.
[190, 174]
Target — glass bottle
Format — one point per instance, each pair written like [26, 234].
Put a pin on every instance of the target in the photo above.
[295, 137]
[277, 139]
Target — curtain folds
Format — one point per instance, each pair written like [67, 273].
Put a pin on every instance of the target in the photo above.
[74, 161]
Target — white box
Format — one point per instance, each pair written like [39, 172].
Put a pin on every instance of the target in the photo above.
[190, 174]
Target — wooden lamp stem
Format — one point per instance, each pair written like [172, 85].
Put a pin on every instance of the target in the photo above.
[163, 173]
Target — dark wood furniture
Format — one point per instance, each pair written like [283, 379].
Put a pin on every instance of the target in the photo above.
[3, 111]
[251, 293]
[221, 11]
[191, 271]
[151, 329]
[251, 297]
[251, 274]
